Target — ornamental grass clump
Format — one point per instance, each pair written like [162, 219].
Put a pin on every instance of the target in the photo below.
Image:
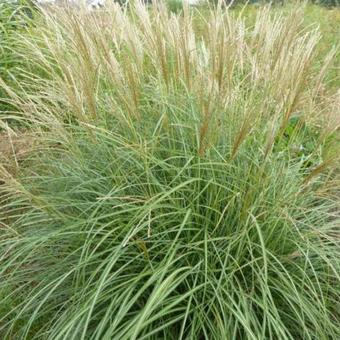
[185, 181]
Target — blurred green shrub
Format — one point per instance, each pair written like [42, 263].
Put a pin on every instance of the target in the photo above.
[14, 18]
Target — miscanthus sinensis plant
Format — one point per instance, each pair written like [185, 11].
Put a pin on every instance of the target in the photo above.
[184, 183]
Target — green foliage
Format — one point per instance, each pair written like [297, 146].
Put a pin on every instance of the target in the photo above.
[14, 19]
[175, 6]
[328, 2]
[301, 142]
[152, 241]
[6, 57]
[180, 188]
